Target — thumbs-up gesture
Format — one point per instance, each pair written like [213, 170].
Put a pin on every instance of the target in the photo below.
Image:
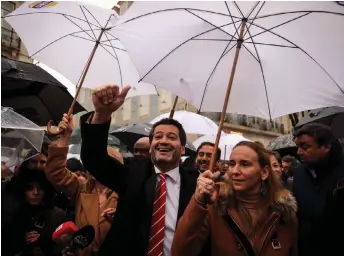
[107, 99]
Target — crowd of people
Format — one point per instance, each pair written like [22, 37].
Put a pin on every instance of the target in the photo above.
[257, 203]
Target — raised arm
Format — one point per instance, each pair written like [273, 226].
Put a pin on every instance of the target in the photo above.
[55, 171]
[94, 131]
[192, 230]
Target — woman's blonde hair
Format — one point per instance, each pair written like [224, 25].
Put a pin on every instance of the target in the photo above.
[273, 183]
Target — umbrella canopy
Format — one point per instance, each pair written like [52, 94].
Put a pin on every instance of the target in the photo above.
[227, 143]
[34, 93]
[287, 63]
[332, 116]
[284, 145]
[18, 136]
[192, 122]
[128, 135]
[132, 133]
[63, 34]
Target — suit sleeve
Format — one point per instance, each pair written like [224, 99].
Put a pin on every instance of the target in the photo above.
[108, 171]
[56, 172]
[192, 231]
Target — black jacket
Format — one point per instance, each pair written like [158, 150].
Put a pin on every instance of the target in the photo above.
[321, 208]
[135, 183]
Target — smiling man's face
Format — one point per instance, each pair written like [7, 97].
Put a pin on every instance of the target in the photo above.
[166, 147]
[203, 157]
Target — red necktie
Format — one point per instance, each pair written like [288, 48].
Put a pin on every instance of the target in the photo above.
[156, 235]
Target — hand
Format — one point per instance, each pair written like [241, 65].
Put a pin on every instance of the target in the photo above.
[32, 237]
[109, 214]
[107, 99]
[206, 190]
[66, 125]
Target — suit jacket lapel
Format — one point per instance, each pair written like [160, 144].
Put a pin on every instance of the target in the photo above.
[187, 189]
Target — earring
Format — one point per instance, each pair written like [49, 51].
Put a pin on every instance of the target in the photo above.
[263, 188]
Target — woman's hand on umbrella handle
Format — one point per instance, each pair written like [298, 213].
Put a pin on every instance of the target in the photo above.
[66, 126]
[107, 99]
[206, 189]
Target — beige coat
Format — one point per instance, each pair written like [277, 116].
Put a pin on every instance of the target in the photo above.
[87, 210]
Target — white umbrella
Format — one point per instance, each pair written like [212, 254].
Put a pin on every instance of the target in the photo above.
[192, 122]
[63, 34]
[227, 143]
[291, 57]
[18, 136]
[291, 54]
[76, 40]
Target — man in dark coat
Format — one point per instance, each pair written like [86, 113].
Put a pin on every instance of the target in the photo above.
[318, 188]
[139, 180]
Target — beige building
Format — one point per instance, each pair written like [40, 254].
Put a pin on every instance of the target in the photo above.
[11, 45]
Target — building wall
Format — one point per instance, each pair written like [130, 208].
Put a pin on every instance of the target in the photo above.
[11, 45]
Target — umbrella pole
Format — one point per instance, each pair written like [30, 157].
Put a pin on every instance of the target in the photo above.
[230, 83]
[225, 152]
[174, 107]
[88, 64]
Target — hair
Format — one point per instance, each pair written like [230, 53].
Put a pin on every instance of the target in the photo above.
[208, 143]
[259, 143]
[276, 155]
[27, 176]
[169, 121]
[322, 134]
[74, 164]
[289, 159]
[273, 183]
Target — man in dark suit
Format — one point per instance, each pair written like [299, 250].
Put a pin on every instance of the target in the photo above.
[153, 192]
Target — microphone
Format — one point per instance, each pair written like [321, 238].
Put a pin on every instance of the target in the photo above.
[82, 238]
[64, 233]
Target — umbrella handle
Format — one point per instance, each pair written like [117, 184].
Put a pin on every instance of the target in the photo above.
[50, 123]
[50, 131]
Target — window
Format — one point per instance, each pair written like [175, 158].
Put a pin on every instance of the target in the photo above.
[143, 107]
[8, 37]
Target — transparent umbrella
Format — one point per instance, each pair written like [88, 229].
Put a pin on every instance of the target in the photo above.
[18, 136]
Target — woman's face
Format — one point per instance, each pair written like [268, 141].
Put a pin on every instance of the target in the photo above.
[244, 172]
[34, 194]
[275, 165]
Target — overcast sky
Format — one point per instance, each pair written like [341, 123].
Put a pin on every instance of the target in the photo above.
[71, 87]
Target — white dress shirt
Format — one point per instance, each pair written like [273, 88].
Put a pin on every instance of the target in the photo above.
[172, 205]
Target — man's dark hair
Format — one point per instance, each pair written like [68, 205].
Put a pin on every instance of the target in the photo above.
[73, 165]
[289, 159]
[277, 155]
[168, 121]
[208, 143]
[322, 134]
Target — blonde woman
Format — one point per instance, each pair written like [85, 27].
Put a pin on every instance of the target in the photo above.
[250, 215]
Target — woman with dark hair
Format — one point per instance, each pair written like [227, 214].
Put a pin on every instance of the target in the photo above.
[38, 217]
[248, 214]
[276, 162]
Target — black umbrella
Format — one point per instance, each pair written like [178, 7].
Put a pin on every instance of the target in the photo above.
[34, 93]
[132, 133]
[331, 116]
[284, 145]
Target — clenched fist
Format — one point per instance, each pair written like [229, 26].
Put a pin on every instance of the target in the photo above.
[206, 190]
[107, 99]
